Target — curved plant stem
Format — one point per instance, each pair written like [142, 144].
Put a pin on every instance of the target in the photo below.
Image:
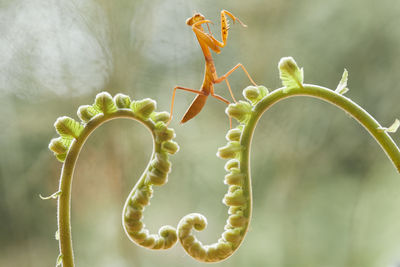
[327, 95]
[239, 196]
[330, 96]
[64, 200]
[67, 147]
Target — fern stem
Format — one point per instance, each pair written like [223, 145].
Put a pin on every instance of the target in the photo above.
[325, 94]
[330, 96]
[64, 200]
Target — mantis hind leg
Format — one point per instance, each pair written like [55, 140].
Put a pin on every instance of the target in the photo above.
[220, 98]
[225, 76]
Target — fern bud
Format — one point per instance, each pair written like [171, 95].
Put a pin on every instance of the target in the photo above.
[168, 233]
[60, 145]
[161, 163]
[230, 164]
[67, 127]
[142, 196]
[143, 108]
[229, 151]
[163, 133]
[288, 65]
[157, 177]
[233, 134]
[235, 177]
[234, 197]
[237, 220]
[224, 249]
[105, 103]
[61, 157]
[290, 74]
[139, 236]
[160, 116]
[255, 93]
[234, 210]
[122, 101]
[133, 213]
[240, 111]
[86, 113]
[133, 225]
[232, 236]
[342, 86]
[170, 146]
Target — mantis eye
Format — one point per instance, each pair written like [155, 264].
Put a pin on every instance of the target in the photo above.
[189, 21]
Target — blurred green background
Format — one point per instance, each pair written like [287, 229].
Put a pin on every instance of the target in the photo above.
[324, 193]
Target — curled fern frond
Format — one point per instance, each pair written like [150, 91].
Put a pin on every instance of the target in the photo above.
[68, 146]
[238, 201]
[237, 151]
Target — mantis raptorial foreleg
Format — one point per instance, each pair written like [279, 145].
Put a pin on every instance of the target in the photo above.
[207, 42]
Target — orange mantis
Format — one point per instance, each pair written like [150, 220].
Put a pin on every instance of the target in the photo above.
[207, 42]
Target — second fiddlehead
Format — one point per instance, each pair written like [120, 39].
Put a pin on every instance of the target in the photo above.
[239, 197]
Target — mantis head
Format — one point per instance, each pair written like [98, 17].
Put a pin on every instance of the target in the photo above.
[196, 17]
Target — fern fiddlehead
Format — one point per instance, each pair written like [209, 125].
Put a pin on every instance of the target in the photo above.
[67, 147]
[239, 197]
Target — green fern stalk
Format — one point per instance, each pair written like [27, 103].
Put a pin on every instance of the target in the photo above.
[239, 196]
[67, 147]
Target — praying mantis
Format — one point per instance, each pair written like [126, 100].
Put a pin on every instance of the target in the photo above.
[207, 41]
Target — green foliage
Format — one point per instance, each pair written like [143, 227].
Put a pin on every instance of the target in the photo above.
[255, 93]
[59, 260]
[122, 101]
[342, 86]
[104, 103]
[87, 112]
[52, 196]
[143, 108]
[68, 128]
[290, 74]
[392, 128]
[240, 111]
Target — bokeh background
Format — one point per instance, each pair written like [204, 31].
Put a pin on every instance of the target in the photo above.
[324, 193]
